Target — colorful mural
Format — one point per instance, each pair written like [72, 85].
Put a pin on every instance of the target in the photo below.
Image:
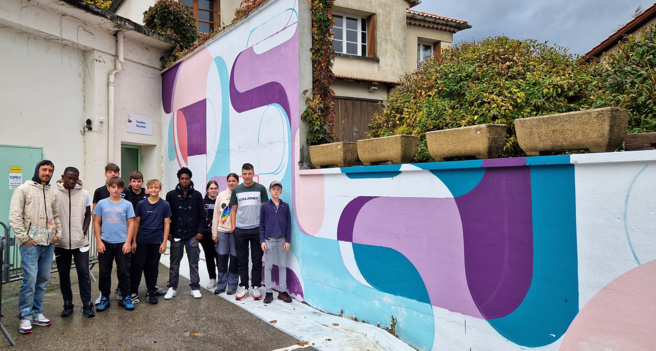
[493, 254]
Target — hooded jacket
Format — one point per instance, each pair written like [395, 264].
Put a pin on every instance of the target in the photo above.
[187, 212]
[71, 205]
[33, 212]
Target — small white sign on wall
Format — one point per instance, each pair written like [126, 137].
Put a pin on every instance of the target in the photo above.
[15, 180]
[140, 124]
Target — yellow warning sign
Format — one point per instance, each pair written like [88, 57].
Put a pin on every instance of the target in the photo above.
[15, 170]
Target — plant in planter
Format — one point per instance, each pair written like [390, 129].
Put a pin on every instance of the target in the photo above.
[173, 19]
[495, 80]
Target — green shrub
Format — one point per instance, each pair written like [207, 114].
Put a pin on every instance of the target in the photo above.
[495, 80]
[173, 19]
[628, 77]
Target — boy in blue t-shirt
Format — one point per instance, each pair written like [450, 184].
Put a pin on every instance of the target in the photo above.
[153, 221]
[113, 226]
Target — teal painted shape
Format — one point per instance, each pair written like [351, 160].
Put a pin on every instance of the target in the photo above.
[170, 133]
[329, 286]
[389, 271]
[221, 164]
[375, 171]
[552, 300]
[460, 181]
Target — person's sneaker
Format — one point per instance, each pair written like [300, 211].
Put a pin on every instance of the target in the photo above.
[285, 297]
[159, 291]
[241, 293]
[41, 320]
[231, 291]
[127, 303]
[170, 294]
[268, 297]
[103, 305]
[87, 310]
[98, 299]
[257, 295]
[152, 298]
[68, 309]
[196, 294]
[212, 284]
[219, 291]
[25, 326]
[134, 298]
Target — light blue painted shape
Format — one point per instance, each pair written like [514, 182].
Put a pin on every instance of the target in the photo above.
[170, 139]
[553, 299]
[374, 172]
[626, 209]
[330, 287]
[548, 160]
[293, 18]
[389, 271]
[460, 181]
[430, 166]
[221, 163]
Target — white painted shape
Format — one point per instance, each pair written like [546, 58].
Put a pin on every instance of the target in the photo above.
[348, 258]
[213, 109]
[200, 179]
[274, 144]
[278, 39]
[614, 157]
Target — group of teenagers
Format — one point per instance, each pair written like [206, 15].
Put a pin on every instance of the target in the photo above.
[132, 226]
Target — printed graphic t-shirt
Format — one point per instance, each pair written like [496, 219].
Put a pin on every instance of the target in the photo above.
[249, 201]
[114, 229]
[151, 225]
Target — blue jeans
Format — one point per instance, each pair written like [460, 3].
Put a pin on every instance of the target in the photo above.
[37, 264]
[225, 250]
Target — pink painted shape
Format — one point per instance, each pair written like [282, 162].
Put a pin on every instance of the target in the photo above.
[181, 129]
[392, 223]
[191, 81]
[621, 316]
[310, 203]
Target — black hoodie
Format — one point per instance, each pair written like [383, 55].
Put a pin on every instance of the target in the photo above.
[187, 212]
[36, 178]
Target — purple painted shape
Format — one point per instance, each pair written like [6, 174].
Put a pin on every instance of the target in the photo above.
[258, 80]
[504, 162]
[168, 85]
[294, 286]
[195, 114]
[404, 224]
[347, 219]
[498, 236]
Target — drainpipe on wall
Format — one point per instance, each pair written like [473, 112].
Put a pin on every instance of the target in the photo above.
[110, 98]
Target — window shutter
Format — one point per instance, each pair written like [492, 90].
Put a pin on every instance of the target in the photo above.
[371, 36]
[437, 49]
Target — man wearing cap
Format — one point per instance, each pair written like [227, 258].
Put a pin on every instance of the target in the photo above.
[246, 200]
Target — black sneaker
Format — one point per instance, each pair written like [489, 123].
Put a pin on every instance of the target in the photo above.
[152, 297]
[219, 291]
[68, 309]
[268, 298]
[159, 291]
[88, 310]
[231, 291]
[134, 298]
[285, 297]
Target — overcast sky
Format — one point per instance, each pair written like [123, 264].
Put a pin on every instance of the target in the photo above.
[579, 25]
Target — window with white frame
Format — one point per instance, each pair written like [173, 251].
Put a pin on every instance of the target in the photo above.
[350, 35]
[424, 51]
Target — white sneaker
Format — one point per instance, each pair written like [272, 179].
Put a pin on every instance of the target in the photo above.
[257, 295]
[98, 299]
[241, 293]
[170, 294]
[196, 294]
[25, 326]
[212, 284]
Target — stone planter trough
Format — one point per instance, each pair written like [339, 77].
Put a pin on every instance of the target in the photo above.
[396, 148]
[598, 130]
[341, 154]
[480, 141]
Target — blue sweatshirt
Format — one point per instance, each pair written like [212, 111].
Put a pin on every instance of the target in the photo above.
[275, 221]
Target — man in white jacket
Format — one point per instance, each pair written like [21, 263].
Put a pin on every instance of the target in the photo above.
[74, 207]
[34, 218]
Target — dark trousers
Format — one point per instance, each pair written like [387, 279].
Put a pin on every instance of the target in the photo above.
[64, 258]
[211, 261]
[244, 237]
[145, 259]
[114, 253]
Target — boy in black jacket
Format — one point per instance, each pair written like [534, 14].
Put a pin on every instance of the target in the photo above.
[187, 226]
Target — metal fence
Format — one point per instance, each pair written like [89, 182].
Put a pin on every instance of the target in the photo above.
[12, 269]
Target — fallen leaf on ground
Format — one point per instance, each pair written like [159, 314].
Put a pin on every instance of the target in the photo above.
[335, 324]
[303, 343]
[273, 321]
[194, 334]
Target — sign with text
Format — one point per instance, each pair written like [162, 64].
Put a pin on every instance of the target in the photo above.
[15, 180]
[140, 124]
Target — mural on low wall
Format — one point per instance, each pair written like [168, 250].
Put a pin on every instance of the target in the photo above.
[495, 254]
